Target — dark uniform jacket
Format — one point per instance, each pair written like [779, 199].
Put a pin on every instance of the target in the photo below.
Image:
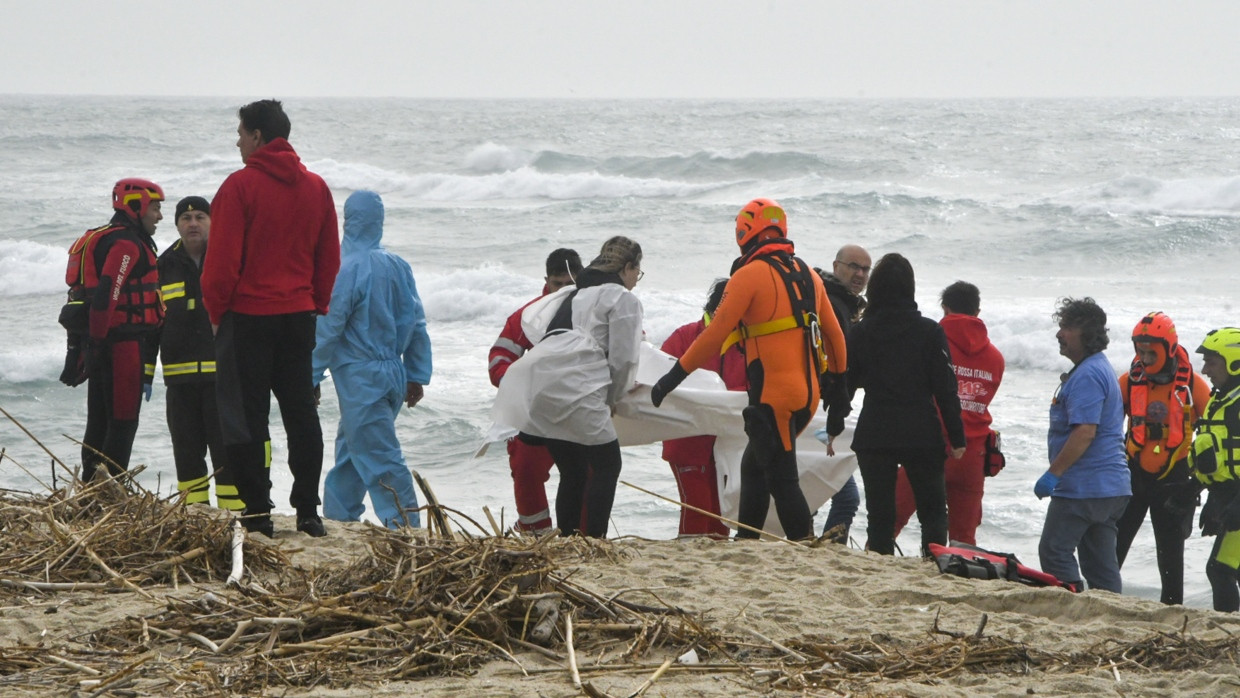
[846, 304]
[186, 345]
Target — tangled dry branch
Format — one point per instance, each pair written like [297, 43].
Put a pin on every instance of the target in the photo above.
[413, 605]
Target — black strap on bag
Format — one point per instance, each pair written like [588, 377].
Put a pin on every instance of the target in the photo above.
[562, 321]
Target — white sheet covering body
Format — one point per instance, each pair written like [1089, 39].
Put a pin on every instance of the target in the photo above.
[565, 387]
[703, 405]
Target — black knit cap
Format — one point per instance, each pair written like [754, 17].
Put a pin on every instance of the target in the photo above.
[192, 203]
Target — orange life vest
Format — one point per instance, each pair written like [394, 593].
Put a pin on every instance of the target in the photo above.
[1163, 434]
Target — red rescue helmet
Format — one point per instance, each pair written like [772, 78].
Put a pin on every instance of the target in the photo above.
[1157, 331]
[134, 196]
[757, 219]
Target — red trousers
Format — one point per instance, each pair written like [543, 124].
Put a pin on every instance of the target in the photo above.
[965, 485]
[531, 468]
[699, 487]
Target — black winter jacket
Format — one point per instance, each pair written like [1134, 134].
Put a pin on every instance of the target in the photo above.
[903, 363]
[186, 345]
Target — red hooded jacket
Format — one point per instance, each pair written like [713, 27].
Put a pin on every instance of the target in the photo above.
[979, 369]
[275, 244]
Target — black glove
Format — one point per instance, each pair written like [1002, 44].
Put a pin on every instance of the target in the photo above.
[1182, 498]
[74, 372]
[1211, 517]
[674, 377]
[1229, 519]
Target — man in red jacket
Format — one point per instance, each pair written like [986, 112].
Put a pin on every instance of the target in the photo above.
[979, 369]
[530, 463]
[274, 254]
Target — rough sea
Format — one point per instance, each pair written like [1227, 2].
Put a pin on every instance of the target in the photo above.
[1133, 202]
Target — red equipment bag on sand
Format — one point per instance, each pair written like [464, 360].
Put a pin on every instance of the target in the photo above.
[975, 563]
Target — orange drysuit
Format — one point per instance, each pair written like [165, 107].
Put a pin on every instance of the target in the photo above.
[781, 369]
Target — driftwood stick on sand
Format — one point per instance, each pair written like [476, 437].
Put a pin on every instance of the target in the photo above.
[73, 665]
[734, 524]
[183, 557]
[238, 554]
[189, 635]
[118, 576]
[653, 677]
[499, 533]
[791, 653]
[572, 652]
[333, 640]
[54, 586]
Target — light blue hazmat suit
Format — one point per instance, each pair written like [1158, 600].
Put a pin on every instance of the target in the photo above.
[374, 341]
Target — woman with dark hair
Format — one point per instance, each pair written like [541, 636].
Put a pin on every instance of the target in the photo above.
[902, 361]
[566, 386]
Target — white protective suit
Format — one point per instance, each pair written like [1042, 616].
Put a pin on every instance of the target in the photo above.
[565, 387]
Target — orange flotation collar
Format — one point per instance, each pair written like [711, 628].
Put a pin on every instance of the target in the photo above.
[1169, 435]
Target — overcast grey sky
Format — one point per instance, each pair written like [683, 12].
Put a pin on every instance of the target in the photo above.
[623, 48]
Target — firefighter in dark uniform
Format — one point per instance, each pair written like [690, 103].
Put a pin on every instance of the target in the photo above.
[187, 350]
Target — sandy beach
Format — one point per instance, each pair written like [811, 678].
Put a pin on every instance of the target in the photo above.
[763, 618]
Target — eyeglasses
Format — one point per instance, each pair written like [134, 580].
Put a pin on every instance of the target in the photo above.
[854, 266]
[640, 274]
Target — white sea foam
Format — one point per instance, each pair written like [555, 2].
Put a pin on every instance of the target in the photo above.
[1201, 196]
[523, 183]
[31, 268]
[492, 157]
[28, 364]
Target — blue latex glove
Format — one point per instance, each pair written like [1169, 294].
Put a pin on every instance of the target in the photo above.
[822, 435]
[146, 390]
[1045, 484]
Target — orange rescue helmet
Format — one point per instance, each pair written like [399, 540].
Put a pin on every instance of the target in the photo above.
[758, 218]
[1158, 331]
